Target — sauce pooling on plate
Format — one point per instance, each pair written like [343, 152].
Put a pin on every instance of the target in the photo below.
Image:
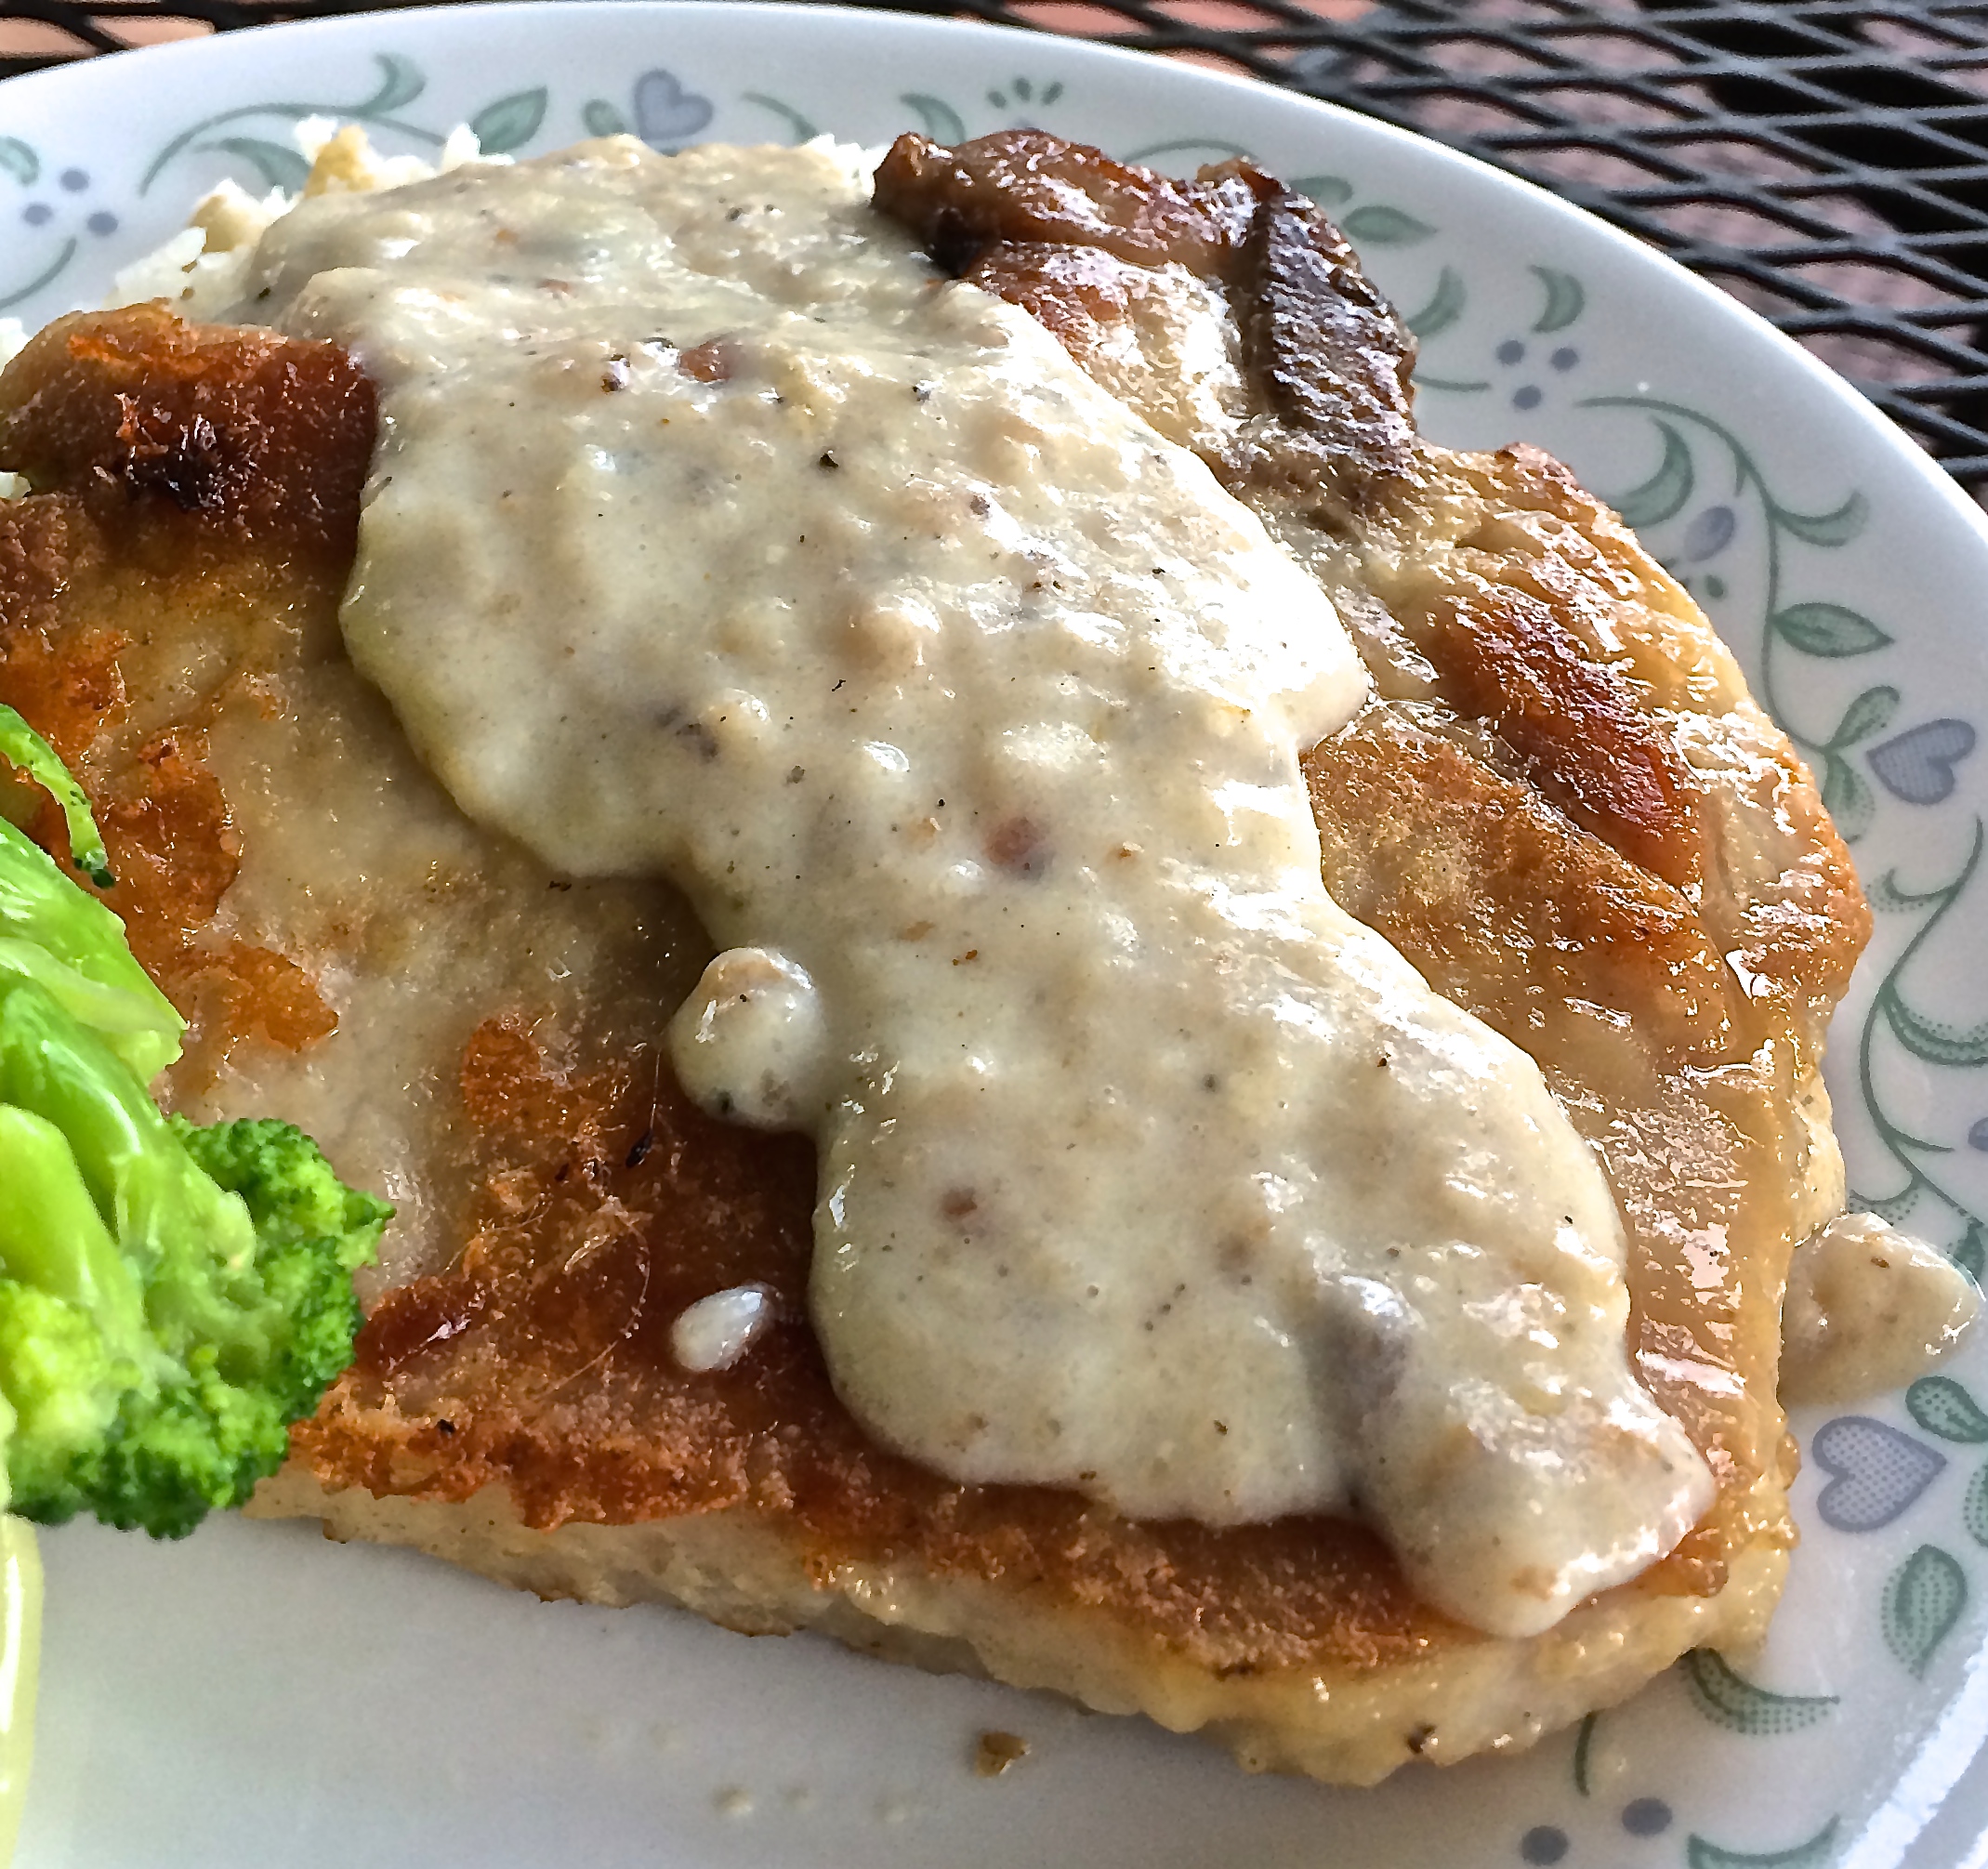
[1868, 1309]
[711, 535]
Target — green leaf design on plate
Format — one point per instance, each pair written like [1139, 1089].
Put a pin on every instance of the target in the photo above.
[1736, 1703]
[1566, 299]
[801, 127]
[1869, 714]
[1327, 190]
[1922, 1603]
[941, 121]
[1827, 629]
[278, 166]
[1838, 528]
[1379, 225]
[401, 83]
[1845, 796]
[1941, 1406]
[1444, 308]
[47, 276]
[1176, 145]
[1915, 1158]
[1023, 91]
[19, 160]
[1664, 493]
[1584, 1741]
[510, 121]
[1936, 1042]
[1701, 1854]
[1974, 1507]
[602, 119]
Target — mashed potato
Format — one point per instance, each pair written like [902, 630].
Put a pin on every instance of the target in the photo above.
[199, 271]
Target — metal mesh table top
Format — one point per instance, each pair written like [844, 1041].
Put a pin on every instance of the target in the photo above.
[1825, 161]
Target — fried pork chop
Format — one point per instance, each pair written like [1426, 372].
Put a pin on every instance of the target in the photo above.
[1561, 805]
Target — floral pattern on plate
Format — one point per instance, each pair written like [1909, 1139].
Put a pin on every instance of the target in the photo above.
[1531, 333]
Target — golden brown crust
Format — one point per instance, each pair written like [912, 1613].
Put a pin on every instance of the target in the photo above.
[605, 1206]
[137, 415]
[1508, 661]
[182, 476]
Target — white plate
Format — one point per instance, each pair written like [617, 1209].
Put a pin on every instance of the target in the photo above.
[257, 1695]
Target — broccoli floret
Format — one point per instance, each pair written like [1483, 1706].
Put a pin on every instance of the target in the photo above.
[171, 1297]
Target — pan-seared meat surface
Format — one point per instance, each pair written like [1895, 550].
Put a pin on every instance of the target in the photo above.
[1561, 805]
[1075, 238]
[480, 1039]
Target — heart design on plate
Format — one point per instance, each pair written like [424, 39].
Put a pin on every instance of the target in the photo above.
[1919, 765]
[1878, 1472]
[665, 111]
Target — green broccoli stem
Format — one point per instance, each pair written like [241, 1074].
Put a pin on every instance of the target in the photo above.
[27, 749]
[51, 1235]
[137, 1172]
[70, 943]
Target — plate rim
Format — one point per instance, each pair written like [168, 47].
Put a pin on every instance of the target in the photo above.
[1897, 460]
[82, 73]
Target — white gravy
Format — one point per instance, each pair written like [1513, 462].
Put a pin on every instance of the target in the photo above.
[711, 535]
[1868, 1309]
[717, 1331]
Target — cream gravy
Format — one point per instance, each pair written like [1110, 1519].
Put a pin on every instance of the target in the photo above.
[717, 1331]
[711, 535]
[1868, 1309]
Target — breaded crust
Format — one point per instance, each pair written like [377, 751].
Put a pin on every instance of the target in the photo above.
[479, 1038]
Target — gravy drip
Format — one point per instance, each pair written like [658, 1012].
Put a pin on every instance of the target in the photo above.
[1869, 1309]
[712, 535]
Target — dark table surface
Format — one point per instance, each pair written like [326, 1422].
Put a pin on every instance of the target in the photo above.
[1825, 161]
